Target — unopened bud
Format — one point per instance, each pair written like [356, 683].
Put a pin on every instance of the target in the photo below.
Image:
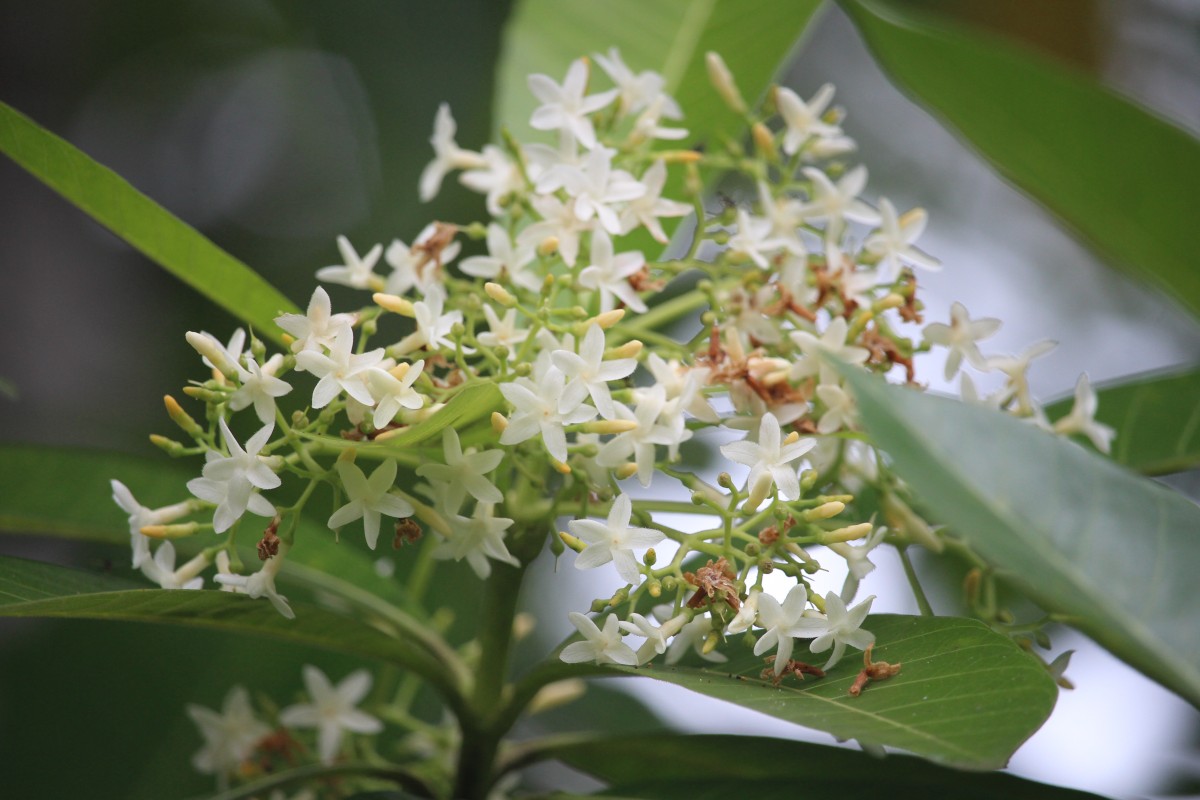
[971, 585]
[847, 534]
[179, 531]
[394, 303]
[548, 246]
[654, 588]
[181, 417]
[630, 349]
[824, 511]
[891, 300]
[722, 81]
[168, 446]
[556, 694]
[562, 468]
[598, 606]
[499, 422]
[204, 395]
[500, 294]
[650, 557]
[670, 583]
[758, 493]
[608, 318]
[619, 596]
[679, 156]
[710, 642]
[791, 438]
[523, 625]
[610, 426]
[571, 542]
[208, 347]
[626, 471]
[764, 142]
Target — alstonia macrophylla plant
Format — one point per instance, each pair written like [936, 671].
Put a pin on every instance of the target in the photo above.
[538, 393]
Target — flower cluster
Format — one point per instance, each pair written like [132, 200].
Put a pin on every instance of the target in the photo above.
[510, 398]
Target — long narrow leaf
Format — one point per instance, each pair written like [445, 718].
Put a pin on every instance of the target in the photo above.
[157, 233]
[1116, 553]
[1123, 180]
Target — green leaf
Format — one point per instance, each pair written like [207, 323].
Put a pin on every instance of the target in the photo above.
[155, 232]
[675, 766]
[944, 705]
[668, 36]
[35, 589]
[1156, 417]
[1116, 553]
[1117, 176]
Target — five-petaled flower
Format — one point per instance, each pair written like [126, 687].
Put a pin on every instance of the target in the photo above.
[613, 540]
[332, 710]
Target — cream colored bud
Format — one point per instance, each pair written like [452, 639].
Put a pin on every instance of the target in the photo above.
[208, 347]
[523, 625]
[764, 141]
[499, 422]
[610, 426]
[400, 370]
[891, 300]
[608, 318]
[565, 469]
[571, 542]
[847, 534]
[824, 511]
[630, 349]
[710, 642]
[500, 294]
[548, 246]
[181, 417]
[722, 80]
[679, 156]
[758, 493]
[394, 303]
[179, 531]
[627, 471]
[791, 438]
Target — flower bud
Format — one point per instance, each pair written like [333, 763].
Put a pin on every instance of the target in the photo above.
[610, 426]
[208, 347]
[654, 588]
[499, 422]
[559, 466]
[650, 557]
[824, 511]
[764, 142]
[169, 446]
[608, 318]
[710, 642]
[571, 542]
[722, 81]
[548, 247]
[630, 349]
[170, 531]
[181, 417]
[394, 303]
[556, 694]
[500, 294]
[626, 471]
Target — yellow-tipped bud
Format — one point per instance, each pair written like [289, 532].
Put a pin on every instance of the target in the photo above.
[571, 542]
[208, 347]
[824, 511]
[891, 300]
[499, 422]
[847, 534]
[710, 642]
[393, 303]
[777, 377]
[565, 469]
[391, 433]
[168, 446]
[610, 426]
[170, 531]
[758, 493]
[181, 417]
[764, 142]
[628, 350]
[627, 471]
[680, 156]
[400, 370]
[608, 318]
[349, 454]
[548, 246]
[791, 438]
[500, 294]
[654, 588]
[722, 80]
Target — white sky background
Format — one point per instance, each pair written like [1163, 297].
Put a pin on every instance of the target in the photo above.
[1117, 733]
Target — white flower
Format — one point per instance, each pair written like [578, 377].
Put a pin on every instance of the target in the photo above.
[589, 373]
[318, 327]
[565, 107]
[747, 616]
[833, 343]
[447, 154]
[640, 442]
[783, 622]
[785, 215]
[161, 569]
[893, 242]
[559, 221]
[683, 384]
[463, 473]
[692, 636]
[332, 710]
[803, 120]
[259, 584]
[837, 202]
[477, 538]
[229, 481]
[637, 91]
[754, 239]
[418, 266]
[498, 178]
[647, 126]
[646, 210]
[536, 409]
[857, 560]
[1082, 419]
[843, 628]
[355, 272]
[340, 371]
[596, 187]
[610, 274]
[225, 358]
[392, 390]
[768, 458]
[230, 736]
[140, 516]
[1016, 368]
[602, 646]
[369, 498]
[260, 387]
[839, 408]
[656, 636]
[613, 540]
[502, 331]
[960, 337]
[433, 326]
[504, 262]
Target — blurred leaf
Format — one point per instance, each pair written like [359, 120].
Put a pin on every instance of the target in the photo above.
[943, 705]
[34, 589]
[155, 232]
[1116, 553]
[1118, 177]
[682, 766]
[1156, 417]
[668, 36]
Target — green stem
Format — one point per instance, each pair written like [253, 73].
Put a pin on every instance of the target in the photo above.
[911, 574]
